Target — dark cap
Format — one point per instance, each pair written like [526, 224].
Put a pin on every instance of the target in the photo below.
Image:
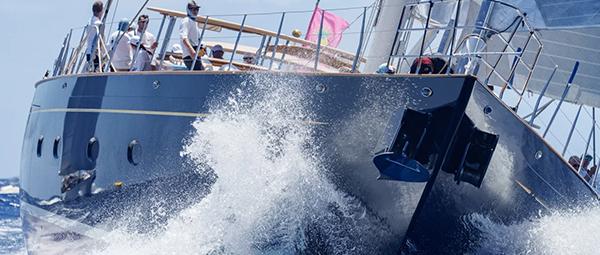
[574, 160]
[217, 47]
[192, 4]
[423, 61]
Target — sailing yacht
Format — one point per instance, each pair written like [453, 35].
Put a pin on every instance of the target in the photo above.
[414, 150]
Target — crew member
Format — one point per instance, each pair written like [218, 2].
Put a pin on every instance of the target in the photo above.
[93, 35]
[188, 31]
[217, 51]
[422, 65]
[147, 38]
[574, 161]
[144, 56]
[385, 69]
[586, 171]
[249, 59]
[440, 66]
[122, 53]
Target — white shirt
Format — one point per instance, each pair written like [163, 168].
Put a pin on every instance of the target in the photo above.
[92, 31]
[188, 30]
[583, 172]
[122, 55]
[148, 39]
[142, 61]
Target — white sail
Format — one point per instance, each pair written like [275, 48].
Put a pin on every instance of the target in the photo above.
[570, 32]
[382, 35]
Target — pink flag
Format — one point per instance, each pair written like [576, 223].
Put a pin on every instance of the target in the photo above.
[333, 27]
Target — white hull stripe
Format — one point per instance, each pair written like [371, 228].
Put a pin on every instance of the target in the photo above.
[142, 112]
[122, 111]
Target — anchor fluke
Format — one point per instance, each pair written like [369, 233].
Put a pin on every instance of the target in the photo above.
[396, 167]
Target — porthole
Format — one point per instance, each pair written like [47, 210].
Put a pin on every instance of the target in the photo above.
[134, 152]
[538, 155]
[93, 148]
[56, 147]
[38, 149]
[487, 109]
[426, 92]
[321, 88]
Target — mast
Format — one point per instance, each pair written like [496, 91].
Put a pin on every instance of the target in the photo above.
[384, 31]
[106, 11]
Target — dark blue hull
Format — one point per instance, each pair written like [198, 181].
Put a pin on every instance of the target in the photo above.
[140, 122]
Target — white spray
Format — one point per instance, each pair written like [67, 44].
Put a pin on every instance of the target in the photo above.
[565, 232]
[271, 195]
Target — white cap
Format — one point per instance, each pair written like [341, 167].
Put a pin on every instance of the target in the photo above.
[385, 69]
[228, 68]
[176, 48]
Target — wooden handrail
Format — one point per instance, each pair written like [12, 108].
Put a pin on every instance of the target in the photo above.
[254, 30]
[295, 54]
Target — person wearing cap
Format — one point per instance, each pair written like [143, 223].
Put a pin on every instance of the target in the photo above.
[422, 65]
[144, 56]
[176, 48]
[188, 31]
[122, 53]
[587, 172]
[248, 59]
[217, 51]
[93, 35]
[575, 162]
[385, 69]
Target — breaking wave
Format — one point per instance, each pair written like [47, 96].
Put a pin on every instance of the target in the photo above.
[564, 232]
[11, 235]
[271, 194]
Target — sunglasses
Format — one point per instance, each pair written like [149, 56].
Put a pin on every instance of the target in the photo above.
[195, 8]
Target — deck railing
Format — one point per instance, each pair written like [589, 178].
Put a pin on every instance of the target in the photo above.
[501, 54]
[502, 58]
[281, 51]
[420, 28]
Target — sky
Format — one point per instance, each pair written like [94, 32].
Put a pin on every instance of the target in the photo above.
[33, 32]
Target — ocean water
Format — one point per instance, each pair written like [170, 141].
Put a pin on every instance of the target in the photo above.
[11, 237]
[564, 232]
[283, 199]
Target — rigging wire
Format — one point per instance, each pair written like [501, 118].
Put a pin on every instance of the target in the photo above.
[110, 53]
[112, 21]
